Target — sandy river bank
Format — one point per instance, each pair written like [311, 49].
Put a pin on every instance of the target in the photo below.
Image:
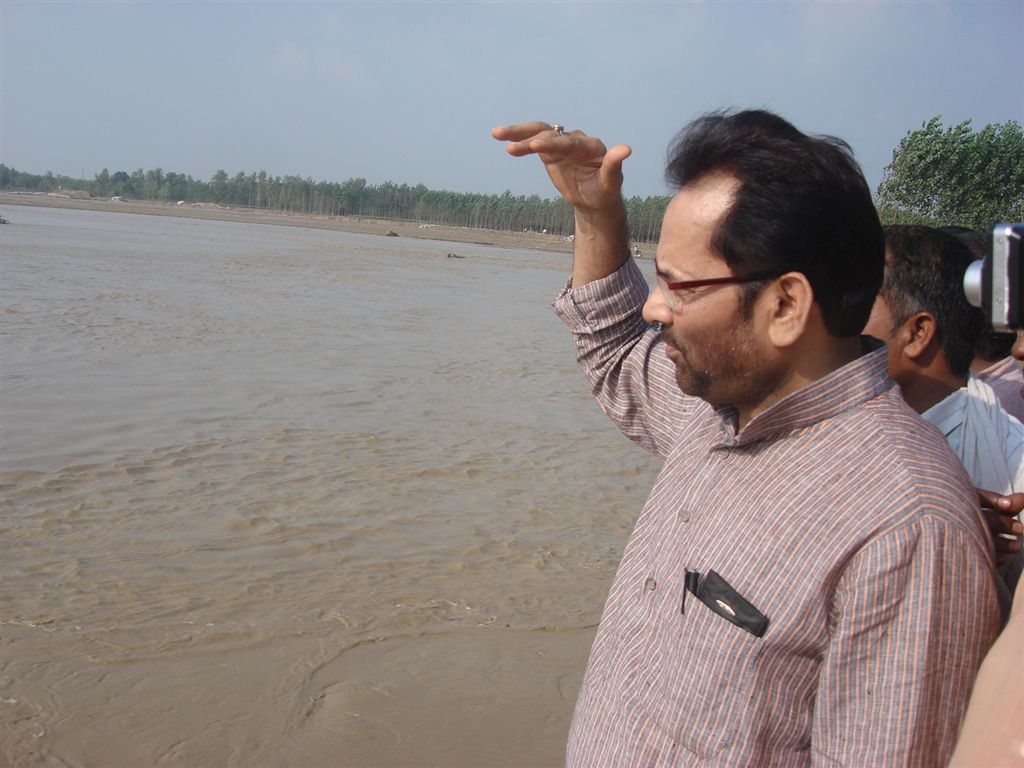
[355, 224]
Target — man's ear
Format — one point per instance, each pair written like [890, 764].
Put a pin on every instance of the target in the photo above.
[918, 334]
[791, 300]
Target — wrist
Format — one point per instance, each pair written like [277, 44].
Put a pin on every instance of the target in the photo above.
[601, 244]
[598, 223]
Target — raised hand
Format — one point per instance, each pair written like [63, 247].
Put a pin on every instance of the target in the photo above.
[586, 173]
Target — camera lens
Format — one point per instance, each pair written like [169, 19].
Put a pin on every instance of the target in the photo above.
[972, 282]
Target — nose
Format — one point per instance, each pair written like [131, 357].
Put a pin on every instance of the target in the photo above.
[656, 310]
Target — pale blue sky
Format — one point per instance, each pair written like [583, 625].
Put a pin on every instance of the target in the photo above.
[408, 92]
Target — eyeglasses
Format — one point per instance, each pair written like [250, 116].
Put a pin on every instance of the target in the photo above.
[670, 291]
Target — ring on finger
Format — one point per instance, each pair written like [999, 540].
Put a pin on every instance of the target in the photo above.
[558, 128]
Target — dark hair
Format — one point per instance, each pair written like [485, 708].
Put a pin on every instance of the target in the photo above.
[975, 241]
[992, 345]
[802, 206]
[924, 272]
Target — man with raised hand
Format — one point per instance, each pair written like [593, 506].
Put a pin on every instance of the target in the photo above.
[809, 581]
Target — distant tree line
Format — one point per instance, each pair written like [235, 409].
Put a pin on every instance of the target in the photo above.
[937, 176]
[354, 197]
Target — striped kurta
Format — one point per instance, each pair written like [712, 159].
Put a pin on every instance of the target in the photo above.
[838, 513]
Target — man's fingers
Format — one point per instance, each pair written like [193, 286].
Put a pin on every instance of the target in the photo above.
[522, 131]
[552, 144]
[519, 131]
[613, 159]
[619, 152]
[539, 138]
[521, 137]
[545, 143]
[1010, 504]
[1007, 546]
[998, 523]
[999, 512]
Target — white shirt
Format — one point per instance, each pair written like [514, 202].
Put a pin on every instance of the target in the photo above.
[988, 440]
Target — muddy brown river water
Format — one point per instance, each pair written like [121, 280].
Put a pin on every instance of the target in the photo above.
[275, 496]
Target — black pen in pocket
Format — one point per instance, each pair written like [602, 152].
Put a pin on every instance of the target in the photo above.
[690, 582]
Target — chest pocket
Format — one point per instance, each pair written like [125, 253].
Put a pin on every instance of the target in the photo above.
[696, 681]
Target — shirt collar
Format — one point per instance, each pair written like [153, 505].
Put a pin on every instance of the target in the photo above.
[841, 390]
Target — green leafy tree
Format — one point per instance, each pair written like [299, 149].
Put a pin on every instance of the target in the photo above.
[219, 186]
[120, 181]
[174, 187]
[103, 184]
[154, 181]
[136, 183]
[955, 176]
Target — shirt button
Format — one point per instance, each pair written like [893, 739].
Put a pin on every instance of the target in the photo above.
[650, 584]
[684, 515]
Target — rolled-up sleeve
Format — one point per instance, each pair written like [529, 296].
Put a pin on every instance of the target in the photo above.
[623, 358]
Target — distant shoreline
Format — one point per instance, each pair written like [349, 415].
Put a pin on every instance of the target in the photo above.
[354, 224]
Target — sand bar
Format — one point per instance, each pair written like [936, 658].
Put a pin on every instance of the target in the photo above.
[355, 224]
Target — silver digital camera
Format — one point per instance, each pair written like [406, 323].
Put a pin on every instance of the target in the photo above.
[995, 283]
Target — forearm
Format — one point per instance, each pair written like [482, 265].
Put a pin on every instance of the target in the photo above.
[601, 244]
[622, 358]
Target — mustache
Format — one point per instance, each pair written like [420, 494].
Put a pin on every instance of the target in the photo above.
[663, 335]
